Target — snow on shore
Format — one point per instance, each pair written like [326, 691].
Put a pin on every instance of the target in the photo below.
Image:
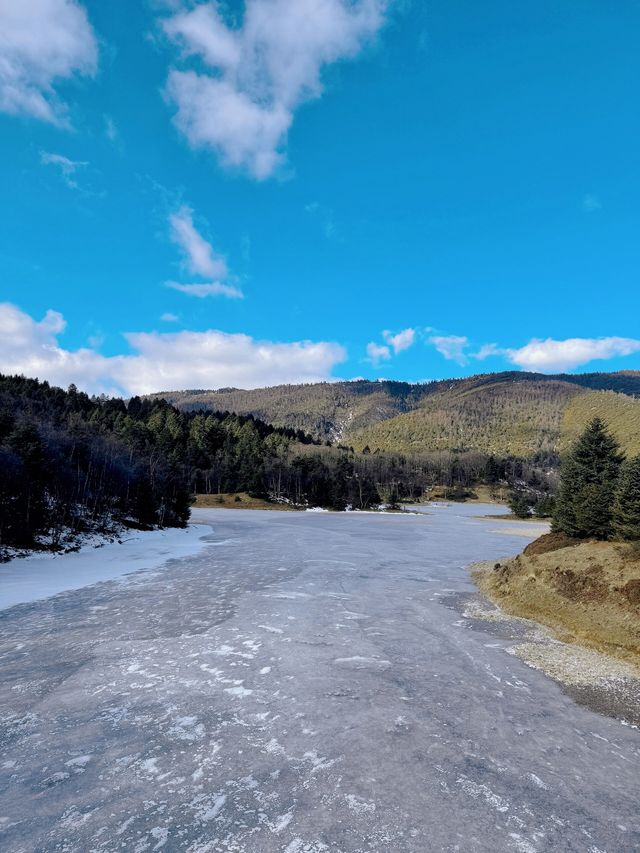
[43, 575]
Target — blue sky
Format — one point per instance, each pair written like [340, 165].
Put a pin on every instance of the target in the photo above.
[204, 195]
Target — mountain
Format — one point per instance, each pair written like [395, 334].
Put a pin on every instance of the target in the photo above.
[502, 413]
[506, 418]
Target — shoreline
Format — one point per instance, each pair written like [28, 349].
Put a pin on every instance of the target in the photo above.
[599, 681]
[566, 614]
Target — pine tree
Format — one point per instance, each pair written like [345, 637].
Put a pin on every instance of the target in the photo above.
[545, 507]
[519, 505]
[626, 508]
[588, 478]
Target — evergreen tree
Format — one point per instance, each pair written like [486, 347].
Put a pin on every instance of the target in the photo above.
[545, 507]
[519, 505]
[588, 478]
[491, 471]
[626, 508]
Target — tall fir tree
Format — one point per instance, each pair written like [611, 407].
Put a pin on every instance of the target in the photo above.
[588, 480]
[626, 508]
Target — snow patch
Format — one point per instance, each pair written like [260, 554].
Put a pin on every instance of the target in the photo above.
[40, 576]
[239, 691]
[359, 805]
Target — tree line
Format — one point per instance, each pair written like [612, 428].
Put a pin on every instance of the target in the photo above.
[70, 462]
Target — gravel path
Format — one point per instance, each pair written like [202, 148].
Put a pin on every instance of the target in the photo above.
[300, 685]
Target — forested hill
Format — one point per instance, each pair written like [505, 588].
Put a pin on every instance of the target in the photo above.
[71, 464]
[511, 413]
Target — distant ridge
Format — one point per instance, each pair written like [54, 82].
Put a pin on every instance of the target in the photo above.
[503, 413]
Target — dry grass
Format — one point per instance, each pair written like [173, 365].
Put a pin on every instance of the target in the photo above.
[239, 500]
[587, 593]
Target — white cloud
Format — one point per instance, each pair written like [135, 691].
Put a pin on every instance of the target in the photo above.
[557, 356]
[551, 356]
[31, 348]
[67, 167]
[486, 351]
[452, 347]
[42, 42]
[396, 343]
[168, 317]
[377, 353]
[259, 73]
[214, 288]
[401, 341]
[200, 259]
[199, 255]
[159, 361]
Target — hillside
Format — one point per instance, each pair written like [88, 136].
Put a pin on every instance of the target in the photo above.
[621, 413]
[503, 413]
[506, 419]
[327, 410]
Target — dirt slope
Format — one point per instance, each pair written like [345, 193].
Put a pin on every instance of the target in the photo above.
[588, 593]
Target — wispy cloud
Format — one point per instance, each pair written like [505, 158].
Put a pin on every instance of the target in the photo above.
[394, 344]
[42, 42]
[159, 361]
[452, 347]
[168, 317]
[199, 255]
[400, 341]
[325, 217]
[111, 129]
[591, 203]
[377, 353]
[256, 75]
[201, 259]
[215, 288]
[67, 167]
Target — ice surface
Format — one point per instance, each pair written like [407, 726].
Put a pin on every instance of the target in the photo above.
[43, 575]
[305, 682]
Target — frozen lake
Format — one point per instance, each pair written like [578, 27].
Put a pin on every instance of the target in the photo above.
[303, 683]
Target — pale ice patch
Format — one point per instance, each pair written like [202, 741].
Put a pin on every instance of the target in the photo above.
[212, 808]
[160, 835]
[359, 805]
[273, 747]
[298, 845]
[478, 791]
[240, 692]
[80, 761]
[40, 576]
[358, 662]
[521, 844]
[224, 650]
[537, 781]
[280, 823]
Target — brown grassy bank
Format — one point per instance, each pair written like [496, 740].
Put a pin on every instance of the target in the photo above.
[238, 500]
[587, 592]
